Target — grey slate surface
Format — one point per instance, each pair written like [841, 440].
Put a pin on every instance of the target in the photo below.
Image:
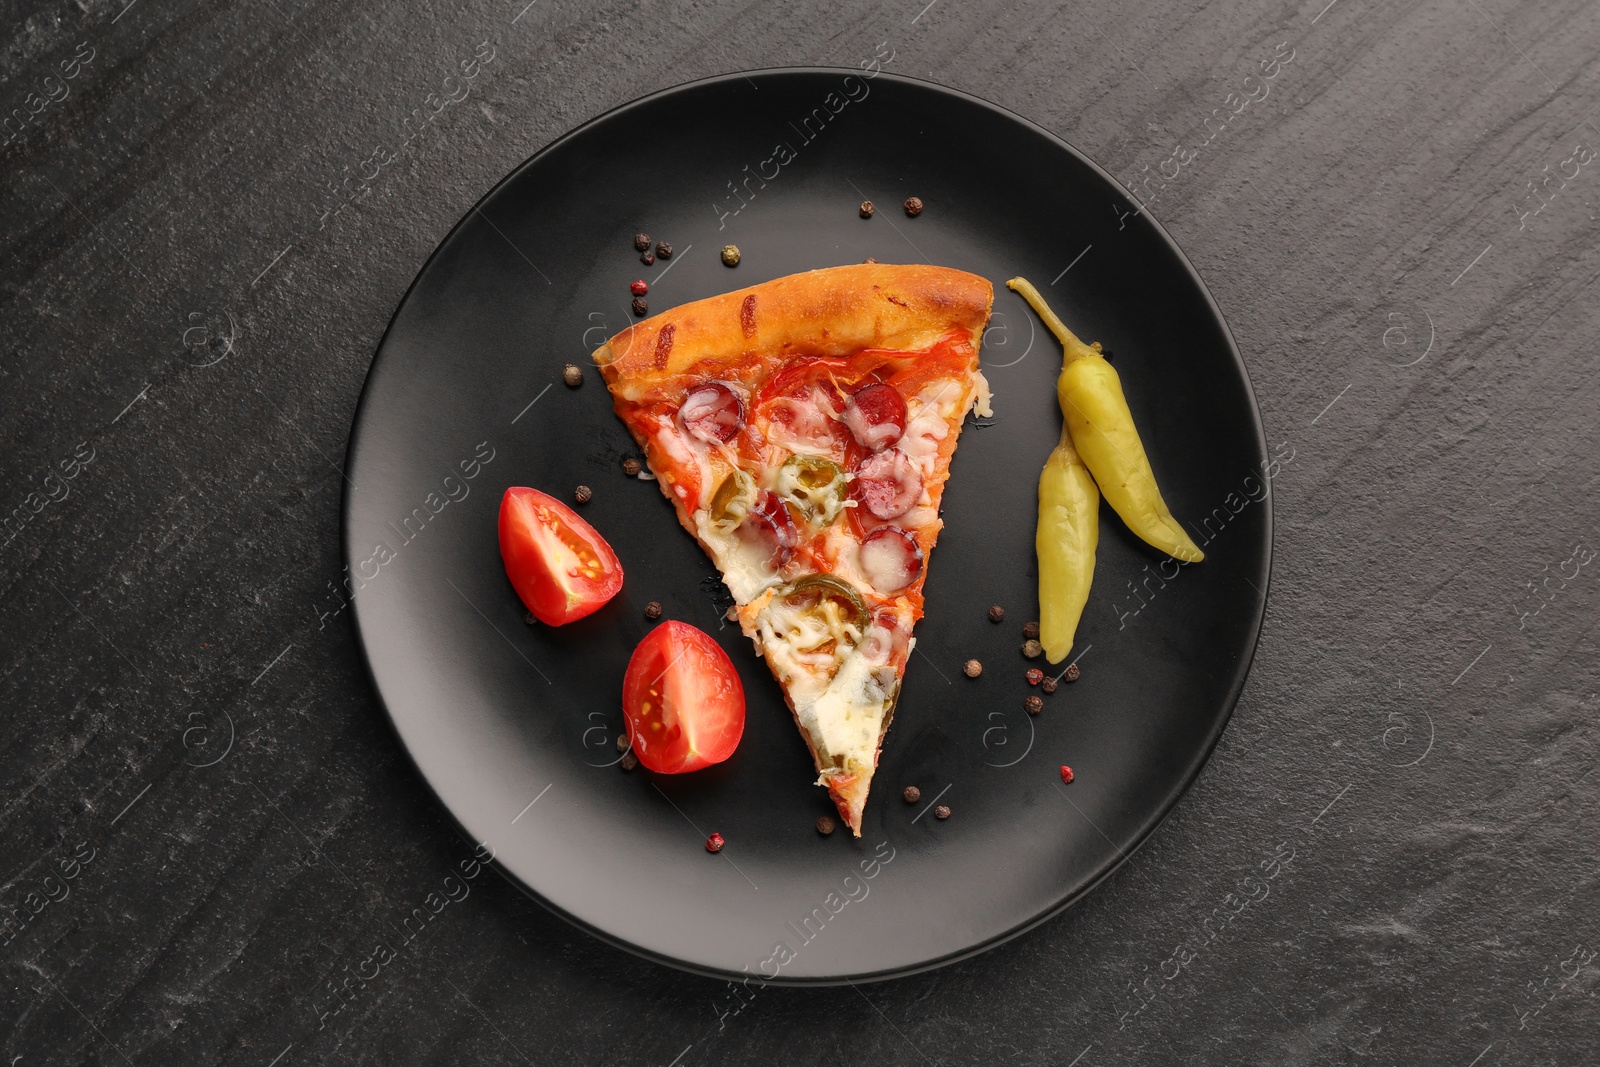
[187, 340]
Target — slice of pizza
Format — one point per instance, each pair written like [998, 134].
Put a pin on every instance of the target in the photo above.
[803, 429]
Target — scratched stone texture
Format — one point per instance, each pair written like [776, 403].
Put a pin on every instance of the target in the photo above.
[1401, 233]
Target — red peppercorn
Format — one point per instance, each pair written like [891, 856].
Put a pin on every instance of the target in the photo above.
[714, 843]
[1066, 774]
[1034, 676]
[639, 288]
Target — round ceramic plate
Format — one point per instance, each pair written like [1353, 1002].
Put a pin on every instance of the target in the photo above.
[514, 726]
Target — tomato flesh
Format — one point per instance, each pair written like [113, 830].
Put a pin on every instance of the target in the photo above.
[682, 700]
[559, 565]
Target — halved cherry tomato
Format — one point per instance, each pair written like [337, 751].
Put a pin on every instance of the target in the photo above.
[682, 700]
[559, 565]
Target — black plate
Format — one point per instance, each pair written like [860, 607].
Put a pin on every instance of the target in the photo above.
[513, 726]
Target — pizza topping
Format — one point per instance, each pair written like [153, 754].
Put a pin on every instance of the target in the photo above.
[890, 559]
[814, 485]
[770, 525]
[747, 315]
[888, 484]
[875, 416]
[731, 503]
[712, 412]
[833, 600]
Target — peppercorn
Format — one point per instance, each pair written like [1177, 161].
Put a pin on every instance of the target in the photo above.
[652, 610]
[824, 825]
[714, 843]
[1066, 774]
[913, 206]
[1049, 684]
[648, 258]
[572, 374]
[911, 794]
[639, 288]
[641, 306]
[641, 241]
[942, 811]
[630, 466]
[1034, 703]
[629, 761]
[972, 668]
[622, 742]
[1030, 630]
[583, 494]
[528, 618]
[1034, 676]
[730, 255]
[866, 209]
[732, 614]
[663, 250]
[1072, 674]
[997, 614]
[1032, 649]
[869, 259]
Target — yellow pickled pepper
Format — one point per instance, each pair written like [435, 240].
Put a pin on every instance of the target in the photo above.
[1102, 430]
[1068, 533]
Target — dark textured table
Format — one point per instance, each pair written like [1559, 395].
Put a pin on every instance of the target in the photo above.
[207, 824]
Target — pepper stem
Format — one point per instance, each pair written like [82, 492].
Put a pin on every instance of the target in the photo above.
[1072, 347]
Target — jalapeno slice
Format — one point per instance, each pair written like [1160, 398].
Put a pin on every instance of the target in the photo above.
[817, 487]
[731, 503]
[814, 589]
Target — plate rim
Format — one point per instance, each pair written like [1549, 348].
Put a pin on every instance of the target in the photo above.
[1168, 804]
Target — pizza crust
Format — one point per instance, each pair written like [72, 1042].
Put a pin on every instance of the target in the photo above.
[836, 311]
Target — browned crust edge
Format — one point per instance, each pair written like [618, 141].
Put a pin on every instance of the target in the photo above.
[835, 311]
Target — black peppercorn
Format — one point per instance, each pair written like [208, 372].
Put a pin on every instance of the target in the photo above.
[911, 794]
[1030, 631]
[630, 466]
[647, 258]
[1032, 649]
[997, 614]
[583, 494]
[1048, 685]
[629, 761]
[641, 241]
[652, 610]
[1034, 703]
[572, 374]
[942, 811]
[913, 206]
[663, 250]
[824, 825]
[641, 306]
[1072, 674]
[622, 742]
[528, 618]
[866, 209]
